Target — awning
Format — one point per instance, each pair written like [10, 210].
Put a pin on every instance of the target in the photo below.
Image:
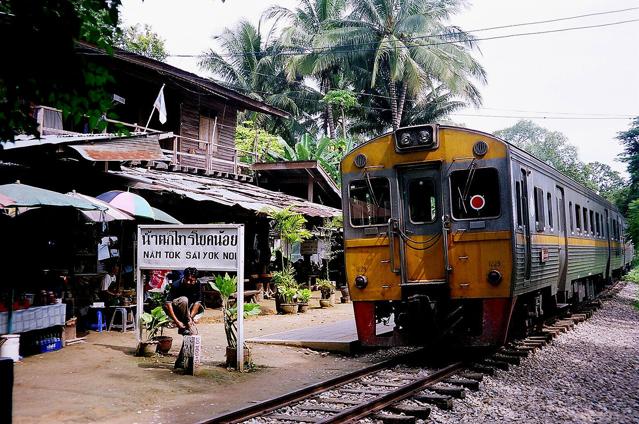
[24, 195]
[134, 148]
[222, 191]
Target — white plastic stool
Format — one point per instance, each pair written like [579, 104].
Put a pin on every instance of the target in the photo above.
[125, 323]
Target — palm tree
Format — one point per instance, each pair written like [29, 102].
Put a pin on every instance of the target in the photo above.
[404, 45]
[249, 62]
[305, 24]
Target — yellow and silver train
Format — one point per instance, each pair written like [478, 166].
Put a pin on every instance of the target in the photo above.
[452, 231]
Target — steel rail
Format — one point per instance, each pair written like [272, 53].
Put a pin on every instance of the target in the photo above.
[378, 403]
[269, 405]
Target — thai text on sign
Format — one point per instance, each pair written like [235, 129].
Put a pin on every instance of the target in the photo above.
[206, 247]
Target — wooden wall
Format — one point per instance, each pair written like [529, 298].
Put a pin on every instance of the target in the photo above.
[192, 108]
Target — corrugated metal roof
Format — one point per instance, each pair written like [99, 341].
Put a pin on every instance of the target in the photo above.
[135, 148]
[222, 191]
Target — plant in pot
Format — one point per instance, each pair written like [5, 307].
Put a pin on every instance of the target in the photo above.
[288, 294]
[303, 296]
[326, 288]
[154, 323]
[282, 280]
[226, 286]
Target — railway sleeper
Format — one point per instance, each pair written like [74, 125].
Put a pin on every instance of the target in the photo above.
[363, 391]
[394, 418]
[521, 347]
[513, 360]
[296, 418]
[422, 412]
[456, 392]
[339, 401]
[322, 408]
[540, 336]
[383, 384]
[477, 376]
[514, 352]
[469, 384]
[441, 401]
[496, 364]
[483, 368]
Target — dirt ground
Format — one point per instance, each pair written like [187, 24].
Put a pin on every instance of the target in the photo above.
[102, 381]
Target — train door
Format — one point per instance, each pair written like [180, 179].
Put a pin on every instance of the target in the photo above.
[422, 245]
[608, 239]
[526, 224]
[562, 232]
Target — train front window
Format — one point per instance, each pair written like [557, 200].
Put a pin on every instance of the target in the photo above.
[421, 201]
[369, 202]
[475, 193]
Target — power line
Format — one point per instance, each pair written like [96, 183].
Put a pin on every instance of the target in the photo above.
[468, 39]
[538, 117]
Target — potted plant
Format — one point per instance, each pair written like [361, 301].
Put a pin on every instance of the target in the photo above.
[326, 288]
[154, 323]
[226, 286]
[303, 296]
[284, 279]
[288, 294]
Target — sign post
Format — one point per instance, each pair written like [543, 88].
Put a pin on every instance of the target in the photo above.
[214, 247]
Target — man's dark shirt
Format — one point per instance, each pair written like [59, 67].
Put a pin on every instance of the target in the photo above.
[179, 288]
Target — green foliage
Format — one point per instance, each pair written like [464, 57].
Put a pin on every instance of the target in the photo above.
[287, 294]
[268, 145]
[290, 225]
[285, 278]
[154, 322]
[630, 141]
[304, 295]
[226, 286]
[143, 41]
[75, 84]
[343, 99]
[633, 275]
[633, 221]
[326, 288]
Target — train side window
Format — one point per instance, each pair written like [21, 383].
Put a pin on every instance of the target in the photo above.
[421, 201]
[572, 228]
[520, 220]
[540, 219]
[592, 222]
[585, 220]
[598, 224]
[474, 193]
[549, 205]
[369, 202]
[578, 217]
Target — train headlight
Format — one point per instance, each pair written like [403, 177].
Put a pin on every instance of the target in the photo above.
[361, 281]
[494, 277]
[423, 137]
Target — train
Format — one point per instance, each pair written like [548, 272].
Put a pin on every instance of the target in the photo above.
[454, 234]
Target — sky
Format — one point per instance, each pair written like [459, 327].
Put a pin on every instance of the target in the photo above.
[589, 73]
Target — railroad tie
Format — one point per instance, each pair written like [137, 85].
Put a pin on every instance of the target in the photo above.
[394, 418]
[469, 384]
[514, 352]
[495, 364]
[456, 392]
[513, 360]
[484, 369]
[441, 401]
[321, 408]
[363, 391]
[296, 418]
[477, 376]
[339, 400]
[422, 412]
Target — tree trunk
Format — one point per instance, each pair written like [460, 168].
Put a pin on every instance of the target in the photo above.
[343, 124]
[393, 101]
[400, 108]
[331, 121]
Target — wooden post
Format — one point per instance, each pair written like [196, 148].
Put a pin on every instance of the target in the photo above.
[192, 354]
[139, 290]
[240, 298]
[309, 192]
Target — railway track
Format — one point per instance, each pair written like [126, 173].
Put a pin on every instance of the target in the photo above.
[394, 391]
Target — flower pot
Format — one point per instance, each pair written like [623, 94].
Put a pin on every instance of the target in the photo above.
[231, 357]
[345, 299]
[164, 344]
[302, 307]
[325, 303]
[146, 348]
[289, 308]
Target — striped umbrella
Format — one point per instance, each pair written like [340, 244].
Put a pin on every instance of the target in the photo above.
[128, 202]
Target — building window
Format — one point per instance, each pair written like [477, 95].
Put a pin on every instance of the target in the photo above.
[475, 193]
[369, 202]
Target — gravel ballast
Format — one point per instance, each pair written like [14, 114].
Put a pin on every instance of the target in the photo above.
[588, 375]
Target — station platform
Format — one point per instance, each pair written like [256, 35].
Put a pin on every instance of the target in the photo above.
[340, 336]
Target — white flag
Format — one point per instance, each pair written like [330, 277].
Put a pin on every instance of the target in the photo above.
[160, 105]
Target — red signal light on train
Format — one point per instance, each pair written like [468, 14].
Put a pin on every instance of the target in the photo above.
[477, 202]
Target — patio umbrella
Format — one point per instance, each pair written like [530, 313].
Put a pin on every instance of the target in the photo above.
[23, 195]
[110, 213]
[5, 201]
[128, 202]
[162, 216]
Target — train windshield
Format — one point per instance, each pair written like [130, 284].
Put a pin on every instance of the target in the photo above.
[475, 193]
[369, 201]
